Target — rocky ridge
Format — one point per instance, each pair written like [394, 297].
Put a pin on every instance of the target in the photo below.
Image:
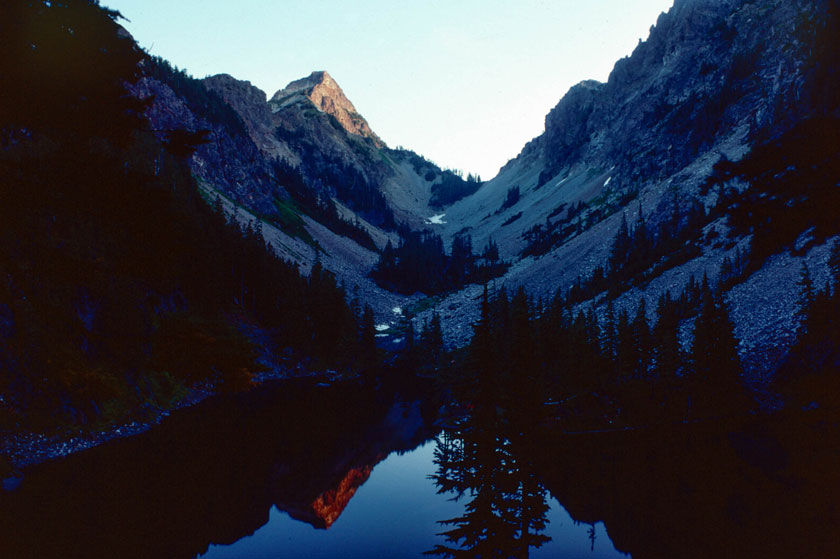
[237, 166]
[327, 96]
[230, 159]
[714, 79]
[312, 126]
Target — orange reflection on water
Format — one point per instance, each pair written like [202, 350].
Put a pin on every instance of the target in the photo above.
[329, 505]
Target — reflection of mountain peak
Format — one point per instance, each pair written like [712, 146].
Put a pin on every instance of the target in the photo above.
[331, 503]
[322, 496]
[325, 509]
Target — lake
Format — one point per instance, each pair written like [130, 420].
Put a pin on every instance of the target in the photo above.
[395, 514]
[296, 469]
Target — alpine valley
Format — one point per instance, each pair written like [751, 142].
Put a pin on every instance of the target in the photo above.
[671, 145]
[661, 264]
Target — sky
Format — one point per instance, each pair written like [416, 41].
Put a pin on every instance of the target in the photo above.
[465, 83]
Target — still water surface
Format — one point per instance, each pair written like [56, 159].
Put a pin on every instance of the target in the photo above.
[395, 514]
[296, 469]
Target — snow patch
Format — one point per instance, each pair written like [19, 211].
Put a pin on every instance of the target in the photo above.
[397, 311]
[436, 220]
[382, 327]
[606, 182]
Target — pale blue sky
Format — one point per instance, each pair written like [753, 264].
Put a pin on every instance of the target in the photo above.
[465, 83]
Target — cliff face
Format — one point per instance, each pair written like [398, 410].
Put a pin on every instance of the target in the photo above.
[714, 80]
[321, 192]
[708, 68]
[230, 161]
[326, 95]
[249, 103]
[311, 125]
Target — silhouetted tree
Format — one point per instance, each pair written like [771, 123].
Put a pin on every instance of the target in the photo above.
[432, 338]
[715, 384]
[367, 340]
[667, 350]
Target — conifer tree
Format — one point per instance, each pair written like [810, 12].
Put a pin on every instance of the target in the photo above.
[626, 348]
[367, 340]
[522, 351]
[433, 338]
[482, 354]
[642, 339]
[834, 264]
[409, 335]
[811, 371]
[806, 296]
[668, 356]
[491, 252]
[665, 335]
[608, 333]
[620, 247]
[715, 387]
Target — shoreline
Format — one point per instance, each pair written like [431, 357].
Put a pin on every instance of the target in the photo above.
[22, 450]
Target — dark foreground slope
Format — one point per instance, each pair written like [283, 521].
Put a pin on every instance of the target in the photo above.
[122, 287]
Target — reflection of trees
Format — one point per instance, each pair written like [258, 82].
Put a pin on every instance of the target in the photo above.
[195, 480]
[506, 513]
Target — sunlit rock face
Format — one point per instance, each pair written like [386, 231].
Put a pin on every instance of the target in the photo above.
[312, 125]
[327, 96]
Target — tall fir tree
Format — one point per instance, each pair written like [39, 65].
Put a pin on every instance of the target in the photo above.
[368, 352]
[716, 387]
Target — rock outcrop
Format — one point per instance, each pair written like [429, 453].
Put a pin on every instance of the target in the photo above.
[249, 102]
[230, 161]
[326, 95]
[714, 79]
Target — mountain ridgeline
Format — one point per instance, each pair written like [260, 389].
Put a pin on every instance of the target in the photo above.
[671, 229]
[710, 151]
[124, 284]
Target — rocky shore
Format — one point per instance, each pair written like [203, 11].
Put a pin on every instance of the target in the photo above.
[20, 450]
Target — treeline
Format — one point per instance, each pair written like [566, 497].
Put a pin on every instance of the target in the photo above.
[542, 360]
[568, 220]
[313, 184]
[451, 187]
[792, 188]
[198, 97]
[420, 263]
[329, 176]
[641, 252]
[810, 377]
[616, 370]
[313, 200]
[120, 285]
[448, 185]
[318, 207]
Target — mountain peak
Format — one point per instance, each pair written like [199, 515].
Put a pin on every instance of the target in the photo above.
[315, 79]
[326, 95]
